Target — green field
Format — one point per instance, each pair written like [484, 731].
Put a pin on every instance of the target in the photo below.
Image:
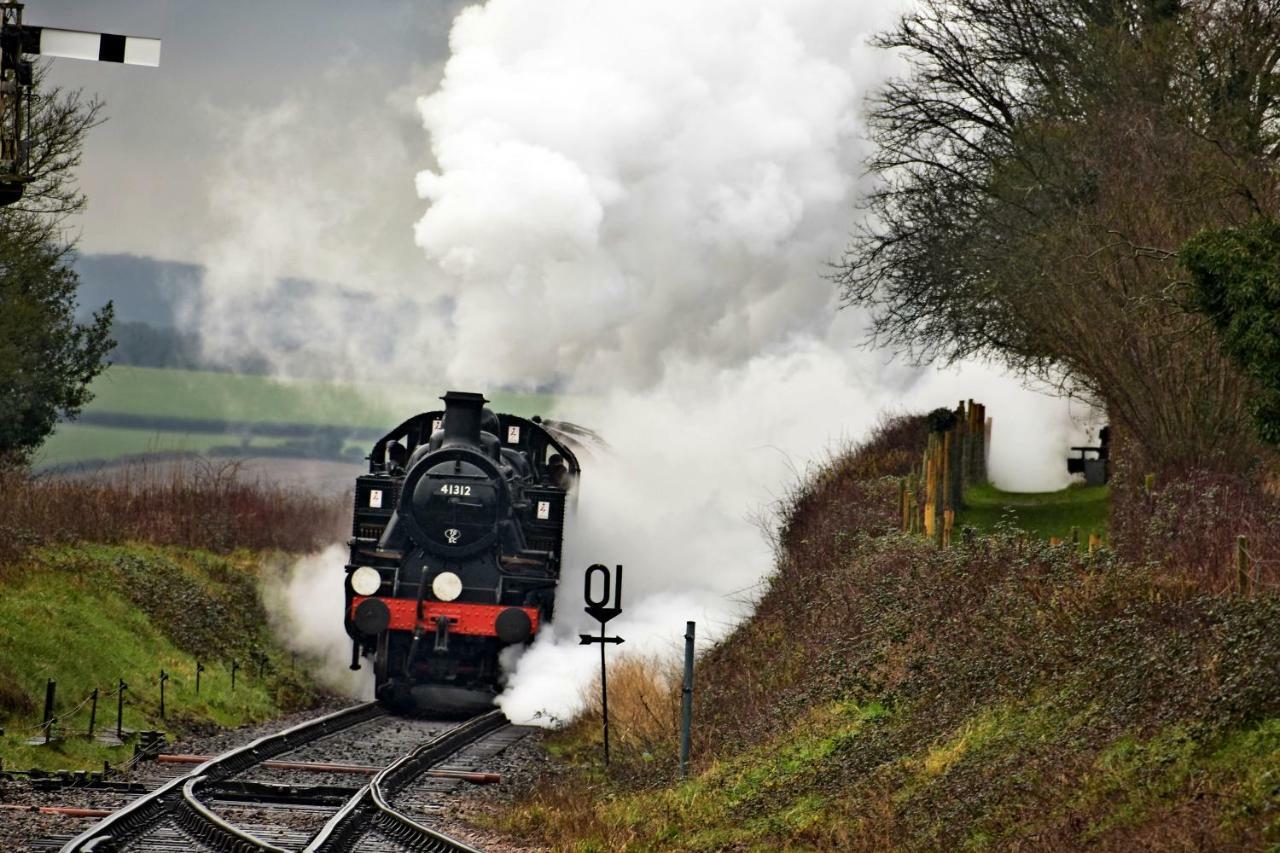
[79, 443]
[163, 393]
[236, 397]
[1044, 514]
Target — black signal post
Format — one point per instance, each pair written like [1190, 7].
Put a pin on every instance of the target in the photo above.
[602, 609]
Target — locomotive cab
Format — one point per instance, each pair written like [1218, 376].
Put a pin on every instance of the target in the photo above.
[455, 552]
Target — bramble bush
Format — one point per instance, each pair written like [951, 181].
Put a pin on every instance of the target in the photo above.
[1004, 692]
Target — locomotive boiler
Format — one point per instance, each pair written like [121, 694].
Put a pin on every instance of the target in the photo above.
[455, 552]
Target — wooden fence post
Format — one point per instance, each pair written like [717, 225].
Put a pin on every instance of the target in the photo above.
[1242, 565]
[986, 441]
[952, 460]
[946, 471]
[902, 502]
[930, 487]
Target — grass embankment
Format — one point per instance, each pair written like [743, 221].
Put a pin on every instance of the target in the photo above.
[1044, 514]
[887, 694]
[118, 578]
[90, 615]
[167, 393]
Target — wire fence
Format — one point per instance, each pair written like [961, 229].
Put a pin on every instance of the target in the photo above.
[52, 725]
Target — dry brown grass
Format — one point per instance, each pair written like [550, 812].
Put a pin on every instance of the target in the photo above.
[194, 504]
[644, 705]
[1082, 700]
[1189, 526]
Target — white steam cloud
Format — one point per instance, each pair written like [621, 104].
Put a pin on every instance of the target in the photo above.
[638, 201]
[633, 205]
[648, 184]
[699, 460]
[304, 601]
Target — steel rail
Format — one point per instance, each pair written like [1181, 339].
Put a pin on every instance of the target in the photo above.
[371, 807]
[172, 798]
[207, 826]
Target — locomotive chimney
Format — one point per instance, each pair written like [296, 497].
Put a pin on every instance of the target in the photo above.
[462, 412]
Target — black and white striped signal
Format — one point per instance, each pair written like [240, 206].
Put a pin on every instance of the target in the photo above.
[102, 47]
[19, 41]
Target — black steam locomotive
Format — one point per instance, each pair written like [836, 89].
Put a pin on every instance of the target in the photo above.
[455, 553]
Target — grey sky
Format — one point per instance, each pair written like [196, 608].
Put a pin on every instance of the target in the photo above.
[173, 132]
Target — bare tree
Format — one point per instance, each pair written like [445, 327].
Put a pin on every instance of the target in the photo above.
[1039, 168]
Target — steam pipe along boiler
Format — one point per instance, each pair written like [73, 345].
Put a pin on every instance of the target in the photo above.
[455, 553]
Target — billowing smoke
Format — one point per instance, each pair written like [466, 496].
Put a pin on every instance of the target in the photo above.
[650, 185]
[632, 205]
[636, 202]
[699, 460]
[304, 600]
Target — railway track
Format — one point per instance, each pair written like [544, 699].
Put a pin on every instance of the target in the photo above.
[248, 800]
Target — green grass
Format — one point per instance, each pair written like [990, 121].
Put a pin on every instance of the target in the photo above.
[229, 396]
[796, 790]
[88, 616]
[767, 794]
[74, 442]
[164, 393]
[1043, 514]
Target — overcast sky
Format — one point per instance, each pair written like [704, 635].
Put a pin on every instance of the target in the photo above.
[176, 135]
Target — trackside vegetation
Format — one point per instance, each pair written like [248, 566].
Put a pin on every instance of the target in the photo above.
[119, 577]
[1049, 515]
[1003, 694]
[89, 615]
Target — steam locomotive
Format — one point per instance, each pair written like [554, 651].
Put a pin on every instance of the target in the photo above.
[455, 552]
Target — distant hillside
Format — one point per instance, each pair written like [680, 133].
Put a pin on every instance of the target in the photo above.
[155, 300]
[144, 290]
